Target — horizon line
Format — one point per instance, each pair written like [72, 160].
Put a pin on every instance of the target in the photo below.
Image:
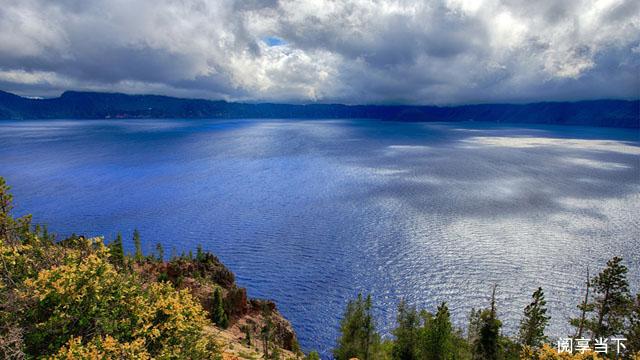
[259, 102]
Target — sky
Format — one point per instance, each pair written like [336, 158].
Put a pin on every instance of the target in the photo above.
[353, 51]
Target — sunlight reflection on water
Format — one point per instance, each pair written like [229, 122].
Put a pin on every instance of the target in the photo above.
[310, 212]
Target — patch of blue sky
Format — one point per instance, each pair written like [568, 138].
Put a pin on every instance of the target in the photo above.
[274, 41]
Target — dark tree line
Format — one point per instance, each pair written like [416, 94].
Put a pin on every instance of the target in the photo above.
[608, 310]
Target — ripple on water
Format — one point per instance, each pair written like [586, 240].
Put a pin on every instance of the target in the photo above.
[308, 213]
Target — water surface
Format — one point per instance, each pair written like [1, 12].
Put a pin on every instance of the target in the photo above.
[309, 213]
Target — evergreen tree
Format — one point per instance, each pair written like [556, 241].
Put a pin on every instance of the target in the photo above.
[12, 230]
[218, 315]
[160, 252]
[473, 329]
[6, 205]
[633, 331]
[437, 336]
[247, 334]
[116, 251]
[138, 246]
[611, 300]
[48, 237]
[535, 321]
[406, 334]
[486, 346]
[275, 354]
[510, 349]
[358, 334]
[313, 355]
[584, 307]
[266, 330]
[199, 253]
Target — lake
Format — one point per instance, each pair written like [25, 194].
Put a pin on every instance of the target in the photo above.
[309, 213]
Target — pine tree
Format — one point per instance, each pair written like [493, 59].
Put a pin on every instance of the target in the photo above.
[6, 205]
[116, 251]
[633, 331]
[266, 330]
[535, 321]
[218, 315]
[160, 252]
[247, 334]
[404, 347]
[358, 334]
[473, 330]
[199, 253]
[138, 246]
[12, 230]
[584, 307]
[437, 335]
[313, 355]
[275, 354]
[486, 346]
[46, 236]
[611, 300]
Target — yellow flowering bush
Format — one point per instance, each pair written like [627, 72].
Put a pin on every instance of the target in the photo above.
[102, 348]
[68, 300]
[549, 353]
[176, 326]
[80, 298]
[86, 305]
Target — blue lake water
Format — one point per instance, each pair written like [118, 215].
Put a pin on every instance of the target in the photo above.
[309, 213]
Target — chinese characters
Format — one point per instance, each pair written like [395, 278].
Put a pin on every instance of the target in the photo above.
[600, 345]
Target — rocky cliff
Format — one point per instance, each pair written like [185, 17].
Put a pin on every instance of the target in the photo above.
[249, 319]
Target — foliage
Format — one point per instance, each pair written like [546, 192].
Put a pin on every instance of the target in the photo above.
[585, 307]
[487, 344]
[81, 299]
[406, 333]
[473, 327]
[313, 355]
[137, 244]
[534, 321]
[275, 354]
[160, 252]
[605, 309]
[548, 353]
[12, 231]
[85, 296]
[612, 299]
[176, 328]
[633, 331]
[266, 330]
[358, 336]
[206, 265]
[424, 335]
[88, 298]
[102, 348]
[436, 337]
[73, 300]
[218, 314]
[246, 329]
[508, 348]
[116, 251]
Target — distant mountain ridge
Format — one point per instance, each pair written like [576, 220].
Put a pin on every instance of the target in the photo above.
[95, 105]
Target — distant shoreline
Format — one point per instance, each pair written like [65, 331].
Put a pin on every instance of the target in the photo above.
[95, 105]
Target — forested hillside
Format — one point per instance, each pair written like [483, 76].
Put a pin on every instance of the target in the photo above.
[90, 105]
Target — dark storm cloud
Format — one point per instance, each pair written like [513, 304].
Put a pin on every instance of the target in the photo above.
[448, 51]
[399, 38]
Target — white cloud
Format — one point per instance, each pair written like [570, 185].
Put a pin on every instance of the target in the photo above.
[359, 51]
